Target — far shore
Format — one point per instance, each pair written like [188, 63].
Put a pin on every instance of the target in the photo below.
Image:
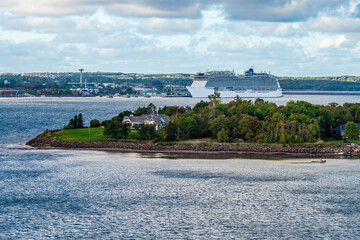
[241, 150]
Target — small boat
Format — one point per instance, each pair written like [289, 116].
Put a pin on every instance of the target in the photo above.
[319, 161]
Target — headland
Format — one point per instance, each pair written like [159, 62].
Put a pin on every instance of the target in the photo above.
[47, 140]
[240, 126]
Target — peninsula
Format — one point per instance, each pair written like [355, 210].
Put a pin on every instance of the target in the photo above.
[240, 126]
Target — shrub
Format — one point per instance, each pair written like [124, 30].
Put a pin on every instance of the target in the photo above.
[105, 123]
[116, 129]
[94, 123]
[146, 132]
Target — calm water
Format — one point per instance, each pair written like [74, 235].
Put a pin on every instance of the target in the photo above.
[92, 194]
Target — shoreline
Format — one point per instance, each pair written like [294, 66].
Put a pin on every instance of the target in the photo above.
[311, 151]
[284, 92]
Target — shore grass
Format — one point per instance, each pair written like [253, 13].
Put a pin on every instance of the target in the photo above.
[342, 142]
[81, 134]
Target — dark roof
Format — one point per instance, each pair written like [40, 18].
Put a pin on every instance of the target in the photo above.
[158, 118]
[342, 127]
[137, 118]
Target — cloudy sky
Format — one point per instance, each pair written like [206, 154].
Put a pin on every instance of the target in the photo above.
[286, 37]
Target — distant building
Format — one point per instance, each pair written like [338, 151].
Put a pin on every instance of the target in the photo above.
[76, 84]
[8, 92]
[338, 132]
[159, 120]
[111, 85]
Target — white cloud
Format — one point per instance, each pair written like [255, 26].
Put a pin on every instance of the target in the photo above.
[261, 10]
[168, 26]
[140, 10]
[288, 37]
[334, 24]
[326, 43]
[337, 42]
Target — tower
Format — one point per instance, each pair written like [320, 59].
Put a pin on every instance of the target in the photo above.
[81, 71]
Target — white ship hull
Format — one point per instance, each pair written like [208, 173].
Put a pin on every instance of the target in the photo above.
[203, 92]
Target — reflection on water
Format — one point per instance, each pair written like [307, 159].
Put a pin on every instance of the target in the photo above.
[253, 156]
[107, 195]
[65, 194]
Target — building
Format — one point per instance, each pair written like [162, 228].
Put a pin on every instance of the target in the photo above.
[338, 132]
[159, 120]
[9, 93]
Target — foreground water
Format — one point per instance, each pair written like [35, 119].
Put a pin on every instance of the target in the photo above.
[92, 194]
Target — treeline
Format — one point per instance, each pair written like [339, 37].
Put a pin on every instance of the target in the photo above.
[237, 121]
[319, 85]
[61, 81]
[243, 120]
[58, 84]
[260, 121]
[76, 122]
[345, 78]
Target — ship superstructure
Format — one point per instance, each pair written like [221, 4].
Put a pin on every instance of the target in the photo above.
[229, 84]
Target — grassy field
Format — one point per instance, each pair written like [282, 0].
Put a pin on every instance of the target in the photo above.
[96, 134]
[82, 134]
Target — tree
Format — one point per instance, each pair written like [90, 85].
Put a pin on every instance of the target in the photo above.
[200, 105]
[75, 121]
[151, 131]
[80, 122]
[94, 123]
[71, 123]
[214, 101]
[171, 110]
[123, 114]
[169, 132]
[149, 109]
[105, 123]
[215, 97]
[116, 129]
[222, 136]
[351, 131]
[146, 132]
[142, 132]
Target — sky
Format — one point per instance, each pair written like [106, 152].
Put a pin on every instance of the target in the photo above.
[286, 37]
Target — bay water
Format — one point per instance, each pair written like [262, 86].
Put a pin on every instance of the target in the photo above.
[67, 194]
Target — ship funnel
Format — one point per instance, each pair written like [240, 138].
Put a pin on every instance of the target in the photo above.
[249, 72]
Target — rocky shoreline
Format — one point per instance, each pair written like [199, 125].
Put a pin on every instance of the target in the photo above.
[313, 150]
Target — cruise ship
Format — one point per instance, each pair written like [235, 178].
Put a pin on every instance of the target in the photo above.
[231, 85]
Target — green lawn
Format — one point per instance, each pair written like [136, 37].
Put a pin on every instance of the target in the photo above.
[82, 134]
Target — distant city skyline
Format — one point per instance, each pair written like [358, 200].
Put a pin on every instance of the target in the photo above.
[286, 37]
